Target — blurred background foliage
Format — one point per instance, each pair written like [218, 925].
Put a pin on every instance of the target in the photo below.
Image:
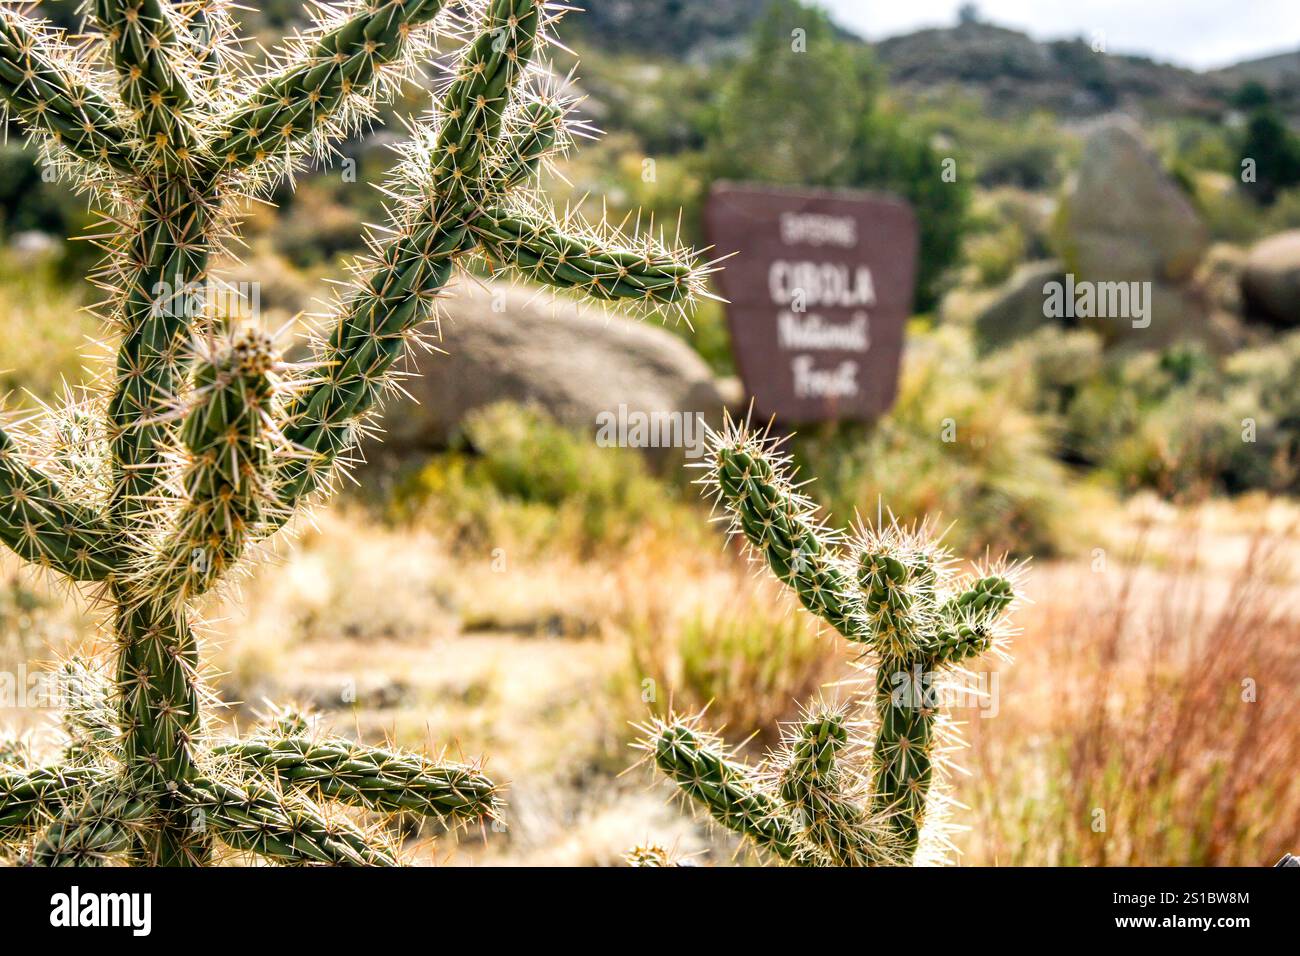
[429, 589]
[719, 91]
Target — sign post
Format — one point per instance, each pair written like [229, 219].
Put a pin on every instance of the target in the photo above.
[819, 292]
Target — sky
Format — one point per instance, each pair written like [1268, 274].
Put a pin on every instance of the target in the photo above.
[1202, 34]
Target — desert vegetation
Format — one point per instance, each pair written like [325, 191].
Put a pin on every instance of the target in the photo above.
[524, 647]
[204, 443]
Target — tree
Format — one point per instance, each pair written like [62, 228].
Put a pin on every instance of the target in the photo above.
[1272, 148]
[790, 110]
[893, 157]
[802, 108]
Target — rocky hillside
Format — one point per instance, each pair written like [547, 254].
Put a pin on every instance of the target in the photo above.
[1013, 72]
[1280, 70]
[668, 27]
[1009, 70]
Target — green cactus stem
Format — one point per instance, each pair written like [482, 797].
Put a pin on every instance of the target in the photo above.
[203, 443]
[889, 590]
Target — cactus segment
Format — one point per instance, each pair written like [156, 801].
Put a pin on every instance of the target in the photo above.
[142, 37]
[731, 792]
[650, 855]
[257, 817]
[158, 488]
[844, 801]
[385, 781]
[43, 85]
[91, 832]
[40, 524]
[339, 66]
[29, 798]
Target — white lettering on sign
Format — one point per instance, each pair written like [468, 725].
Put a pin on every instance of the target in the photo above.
[805, 332]
[812, 382]
[815, 229]
[821, 284]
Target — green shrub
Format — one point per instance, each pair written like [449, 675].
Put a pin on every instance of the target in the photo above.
[747, 662]
[995, 255]
[1177, 421]
[960, 441]
[520, 479]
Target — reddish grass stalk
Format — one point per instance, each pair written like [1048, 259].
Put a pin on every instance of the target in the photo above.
[1147, 749]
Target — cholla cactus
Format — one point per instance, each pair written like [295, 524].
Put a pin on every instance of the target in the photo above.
[649, 855]
[202, 443]
[830, 797]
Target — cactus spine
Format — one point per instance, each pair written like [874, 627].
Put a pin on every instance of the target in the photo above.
[202, 442]
[829, 797]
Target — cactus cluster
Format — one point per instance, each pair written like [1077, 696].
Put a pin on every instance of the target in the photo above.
[854, 783]
[150, 489]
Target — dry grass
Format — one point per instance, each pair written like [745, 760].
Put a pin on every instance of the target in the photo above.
[1125, 695]
[45, 332]
[1151, 718]
[746, 655]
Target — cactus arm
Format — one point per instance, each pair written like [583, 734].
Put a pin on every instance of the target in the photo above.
[142, 36]
[382, 780]
[28, 798]
[310, 94]
[228, 437]
[898, 601]
[157, 291]
[548, 253]
[534, 134]
[824, 798]
[255, 817]
[44, 89]
[371, 335]
[476, 102]
[731, 792]
[39, 523]
[903, 753]
[207, 26]
[782, 526]
[970, 618]
[649, 855]
[91, 831]
[377, 321]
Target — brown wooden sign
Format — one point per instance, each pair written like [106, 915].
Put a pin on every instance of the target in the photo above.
[819, 289]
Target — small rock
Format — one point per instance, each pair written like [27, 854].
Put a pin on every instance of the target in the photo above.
[1270, 281]
[1016, 309]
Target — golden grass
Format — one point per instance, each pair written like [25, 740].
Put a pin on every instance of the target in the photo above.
[44, 330]
[1125, 695]
[1151, 718]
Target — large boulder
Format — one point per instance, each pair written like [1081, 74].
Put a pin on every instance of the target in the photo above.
[1016, 308]
[1270, 281]
[580, 364]
[1124, 218]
